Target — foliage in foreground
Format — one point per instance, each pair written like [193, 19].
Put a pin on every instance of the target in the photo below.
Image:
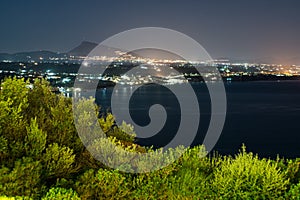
[42, 157]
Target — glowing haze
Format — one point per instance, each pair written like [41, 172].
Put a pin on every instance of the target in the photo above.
[261, 30]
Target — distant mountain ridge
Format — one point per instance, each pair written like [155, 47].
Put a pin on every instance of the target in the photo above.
[85, 47]
[28, 56]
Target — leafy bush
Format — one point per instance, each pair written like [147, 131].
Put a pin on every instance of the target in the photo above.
[14, 198]
[248, 177]
[35, 140]
[294, 192]
[61, 194]
[150, 186]
[186, 178]
[105, 184]
[113, 185]
[23, 179]
[58, 160]
[41, 156]
[192, 175]
[87, 185]
[38, 138]
[292, 169]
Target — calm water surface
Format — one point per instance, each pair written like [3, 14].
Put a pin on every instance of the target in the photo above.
[265, 116]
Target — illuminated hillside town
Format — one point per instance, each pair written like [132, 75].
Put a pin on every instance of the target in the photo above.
[62, 70]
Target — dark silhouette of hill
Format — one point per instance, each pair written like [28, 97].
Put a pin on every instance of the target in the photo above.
[83, 49]
[33, 55]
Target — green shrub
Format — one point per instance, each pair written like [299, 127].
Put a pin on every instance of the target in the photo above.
[35, 140]
[186, 178]
[53, 114]
[248, 177]
[294, 192]
[58, 161]
[14, 198]
[292, 168]
[23, 179]
[113, 185]
[192, 175]
[3, 148]
[153, 185]
[61, 194]
[87, 185]
[105, 184]
[13, 103]
[40, 149]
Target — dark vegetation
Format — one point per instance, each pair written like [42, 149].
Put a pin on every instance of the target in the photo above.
[42, 157]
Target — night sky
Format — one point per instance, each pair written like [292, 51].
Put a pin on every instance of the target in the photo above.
[236, 29]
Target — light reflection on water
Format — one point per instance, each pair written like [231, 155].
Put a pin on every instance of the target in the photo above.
[262, 115]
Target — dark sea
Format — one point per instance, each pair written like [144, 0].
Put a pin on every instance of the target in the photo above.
[263, 115]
